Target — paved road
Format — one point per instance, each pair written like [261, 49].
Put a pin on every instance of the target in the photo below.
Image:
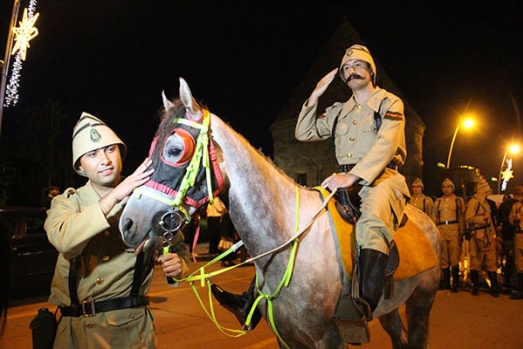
[457, 320]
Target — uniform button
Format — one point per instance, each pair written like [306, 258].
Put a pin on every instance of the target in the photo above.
[105, 258]
[131, 316]
[351, 139]
[107, 233]
[373, 128]
[100, 280]
[349, 155]
[358, 106]
[89, 324]
[354, 122]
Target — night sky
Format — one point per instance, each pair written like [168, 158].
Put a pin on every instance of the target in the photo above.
[113, 58]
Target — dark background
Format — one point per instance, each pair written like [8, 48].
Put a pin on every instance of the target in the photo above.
[113, 58]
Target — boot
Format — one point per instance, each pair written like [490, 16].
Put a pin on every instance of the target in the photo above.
[474, 275]
[519, 293]
[239, 305]
[372, 265]
[445, 279]
[455, 279]
[493, 277]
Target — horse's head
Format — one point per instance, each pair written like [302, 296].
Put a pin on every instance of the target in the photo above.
[185, 177]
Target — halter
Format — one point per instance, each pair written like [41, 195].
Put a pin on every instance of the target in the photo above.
[202, 159]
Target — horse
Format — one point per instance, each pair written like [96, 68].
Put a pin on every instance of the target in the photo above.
[263, 206]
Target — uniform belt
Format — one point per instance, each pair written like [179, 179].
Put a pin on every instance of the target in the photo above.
[481, 226]
[447, 222]
[90, 307]
[349, 167]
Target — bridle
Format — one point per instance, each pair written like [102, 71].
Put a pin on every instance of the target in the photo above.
[203, 159]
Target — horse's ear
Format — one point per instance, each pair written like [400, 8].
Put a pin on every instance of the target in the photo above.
[188, 101]
[167, 104]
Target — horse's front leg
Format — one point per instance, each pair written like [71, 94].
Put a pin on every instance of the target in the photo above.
[394, 327]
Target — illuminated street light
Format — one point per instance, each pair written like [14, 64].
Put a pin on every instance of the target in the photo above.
[466, 123]
[506, 175]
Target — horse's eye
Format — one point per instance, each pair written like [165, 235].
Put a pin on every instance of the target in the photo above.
[178, 148]
[174, 152]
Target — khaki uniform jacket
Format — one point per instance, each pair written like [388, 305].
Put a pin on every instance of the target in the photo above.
[480, 228]
[76, 226]
[424, 203]
[359, 143]
[445, 210]
[356, 140]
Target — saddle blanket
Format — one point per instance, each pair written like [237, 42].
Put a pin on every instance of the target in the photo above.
[415, 251]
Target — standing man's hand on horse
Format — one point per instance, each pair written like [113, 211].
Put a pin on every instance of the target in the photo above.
[173, 266]
[339, 180]
[125, 188]
[321, 87]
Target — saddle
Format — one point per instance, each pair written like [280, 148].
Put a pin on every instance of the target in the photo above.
[409, 242]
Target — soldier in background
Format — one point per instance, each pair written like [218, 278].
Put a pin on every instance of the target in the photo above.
[420, 200]
[448, 214]
[482, 238]
[505, 232]
[515, 219]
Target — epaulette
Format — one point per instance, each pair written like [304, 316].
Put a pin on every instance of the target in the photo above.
[393, 115]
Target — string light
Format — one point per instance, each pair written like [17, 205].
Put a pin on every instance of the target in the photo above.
[23, 34]
[507, 175]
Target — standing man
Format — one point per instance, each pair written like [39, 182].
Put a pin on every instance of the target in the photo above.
[482, 243]
[215, 212]
[448, 215]
[99, 284]
[506, 231]
[369, 136]
[516, 219]
[419, 199]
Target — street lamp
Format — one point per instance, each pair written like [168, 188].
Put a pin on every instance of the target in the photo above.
[467, 123]
[507, 174]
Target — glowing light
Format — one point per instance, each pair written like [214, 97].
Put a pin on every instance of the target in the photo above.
[507, 175]
[24, 33]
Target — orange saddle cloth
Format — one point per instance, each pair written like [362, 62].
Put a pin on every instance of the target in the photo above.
[415, 250]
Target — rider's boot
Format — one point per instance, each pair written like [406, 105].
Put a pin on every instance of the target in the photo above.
[474, 276]
[455, 279]
[445, 279]
[372, 265]
[239, 305]
[493, 277]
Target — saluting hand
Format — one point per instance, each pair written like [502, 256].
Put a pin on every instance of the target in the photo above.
[321, 87]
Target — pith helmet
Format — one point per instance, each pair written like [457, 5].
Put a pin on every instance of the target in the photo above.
[447, 181]
[361, 53]
[91, 133]
[518, 190]
[482, 186]
[418, 181]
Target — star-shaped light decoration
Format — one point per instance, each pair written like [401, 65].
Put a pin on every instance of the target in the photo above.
[507, 174]
[24, 33]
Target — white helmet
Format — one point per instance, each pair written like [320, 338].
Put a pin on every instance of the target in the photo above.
[91, 133]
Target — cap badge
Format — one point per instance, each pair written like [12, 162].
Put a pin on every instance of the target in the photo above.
[95, 136]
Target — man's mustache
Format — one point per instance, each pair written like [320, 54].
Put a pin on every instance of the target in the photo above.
[354, 76]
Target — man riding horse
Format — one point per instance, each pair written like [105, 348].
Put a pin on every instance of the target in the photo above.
[368, 131]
